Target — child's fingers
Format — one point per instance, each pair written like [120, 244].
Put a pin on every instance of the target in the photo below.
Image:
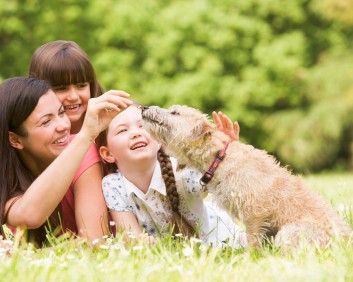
[118, 93]
[108, 106]
[96, 106]
[226, 121]
[236, 127]
[216, 119]
[236, 130]
[114, 98]
[119, 101]
[225, 124]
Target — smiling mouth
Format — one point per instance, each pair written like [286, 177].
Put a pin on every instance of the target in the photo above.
[72, 107]
[138, 145]
[61, 140]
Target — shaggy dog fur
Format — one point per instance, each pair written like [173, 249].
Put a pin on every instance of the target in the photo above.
[249, 183]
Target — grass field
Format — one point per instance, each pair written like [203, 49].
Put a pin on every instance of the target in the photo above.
[188, 260]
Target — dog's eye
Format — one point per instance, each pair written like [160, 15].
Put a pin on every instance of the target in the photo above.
[174, 113]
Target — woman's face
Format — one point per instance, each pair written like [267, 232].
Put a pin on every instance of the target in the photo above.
[48, 132]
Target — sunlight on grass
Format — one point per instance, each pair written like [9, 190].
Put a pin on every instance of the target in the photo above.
[337, 188]
[184, 259]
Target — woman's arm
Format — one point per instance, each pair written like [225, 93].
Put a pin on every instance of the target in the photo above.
[90, 209]
[44, 194]
[34, 207]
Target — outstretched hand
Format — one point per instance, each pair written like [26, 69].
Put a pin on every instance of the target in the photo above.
[224, 124]
[102, 110]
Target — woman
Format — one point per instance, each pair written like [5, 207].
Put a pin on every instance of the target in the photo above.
[39, 162]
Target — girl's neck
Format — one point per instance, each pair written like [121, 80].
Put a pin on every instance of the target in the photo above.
[140, 176]
[76, 126]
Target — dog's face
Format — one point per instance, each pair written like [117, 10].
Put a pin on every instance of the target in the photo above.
[178, 126]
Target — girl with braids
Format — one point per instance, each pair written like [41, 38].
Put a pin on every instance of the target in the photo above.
[146, 192]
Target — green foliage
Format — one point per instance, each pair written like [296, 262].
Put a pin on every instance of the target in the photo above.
[259, 61]
[25, 25]
[321, 133]
[339, 10]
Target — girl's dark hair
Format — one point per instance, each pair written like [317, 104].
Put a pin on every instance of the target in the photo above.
[102, 141]
[18, 98]
[63, 63]
[180, 224]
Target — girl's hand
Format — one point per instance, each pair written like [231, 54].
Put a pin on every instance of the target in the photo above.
[224, 124]
[102, 110]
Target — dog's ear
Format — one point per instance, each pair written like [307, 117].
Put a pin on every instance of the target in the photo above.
[207, 130]
[202, 130]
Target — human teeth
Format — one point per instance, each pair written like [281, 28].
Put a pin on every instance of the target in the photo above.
[72, 107]
[61, 140]
[138, 145]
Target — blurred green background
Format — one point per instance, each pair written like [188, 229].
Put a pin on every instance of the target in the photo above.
[283, 69]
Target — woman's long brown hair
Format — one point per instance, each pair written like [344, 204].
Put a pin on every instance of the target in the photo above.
[18, 98]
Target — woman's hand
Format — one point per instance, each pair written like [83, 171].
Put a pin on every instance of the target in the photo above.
[224, 124]
[102, 110]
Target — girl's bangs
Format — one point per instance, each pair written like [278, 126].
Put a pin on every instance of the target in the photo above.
[66, 72]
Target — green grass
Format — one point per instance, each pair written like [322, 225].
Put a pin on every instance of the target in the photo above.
[337, 188]
[188, 260]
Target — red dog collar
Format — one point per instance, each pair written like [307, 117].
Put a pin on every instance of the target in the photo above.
[208, 175]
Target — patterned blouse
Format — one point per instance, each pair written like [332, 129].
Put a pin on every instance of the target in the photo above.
[153, 210]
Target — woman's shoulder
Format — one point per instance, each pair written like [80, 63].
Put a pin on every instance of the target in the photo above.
[92, 154]
[91, 157]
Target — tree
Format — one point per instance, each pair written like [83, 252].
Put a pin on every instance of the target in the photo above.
[267, 63]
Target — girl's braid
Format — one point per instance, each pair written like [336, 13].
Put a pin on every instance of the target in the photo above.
[180, 224]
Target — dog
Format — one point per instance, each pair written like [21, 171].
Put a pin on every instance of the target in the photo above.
[248, 183]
